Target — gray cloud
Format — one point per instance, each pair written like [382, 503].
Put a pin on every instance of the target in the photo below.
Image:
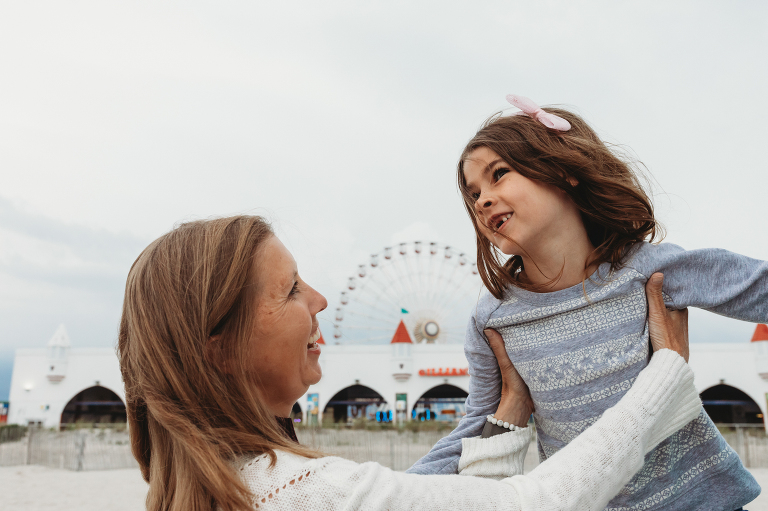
[342, 120]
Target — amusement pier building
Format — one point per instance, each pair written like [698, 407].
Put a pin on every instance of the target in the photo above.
[403, 380]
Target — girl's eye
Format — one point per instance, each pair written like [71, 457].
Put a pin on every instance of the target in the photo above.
[499, 173]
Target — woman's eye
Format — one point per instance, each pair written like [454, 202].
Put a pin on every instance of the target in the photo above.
[499, 173]
[294, 289]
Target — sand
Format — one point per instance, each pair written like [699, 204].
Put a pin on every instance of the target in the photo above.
[34, 488]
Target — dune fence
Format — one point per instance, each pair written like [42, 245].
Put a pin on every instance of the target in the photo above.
[749, 441]
[80, 449]
[398, 449]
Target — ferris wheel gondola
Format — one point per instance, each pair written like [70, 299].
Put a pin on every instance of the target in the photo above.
[430, 287]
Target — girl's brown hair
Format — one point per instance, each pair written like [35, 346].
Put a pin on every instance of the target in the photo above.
[616, 211]
[184, 334]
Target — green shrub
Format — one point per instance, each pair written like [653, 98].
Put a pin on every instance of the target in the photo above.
[12, 433]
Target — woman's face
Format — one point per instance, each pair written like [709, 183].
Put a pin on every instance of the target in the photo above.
[284, 353]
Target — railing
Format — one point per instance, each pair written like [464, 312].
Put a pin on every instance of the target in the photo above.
[396, 449]
[103, 449]
[749, 441]
[81, 449]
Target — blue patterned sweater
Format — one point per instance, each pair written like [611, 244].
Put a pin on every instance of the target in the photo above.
[579, 354]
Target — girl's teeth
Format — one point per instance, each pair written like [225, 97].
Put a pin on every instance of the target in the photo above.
[504, 219]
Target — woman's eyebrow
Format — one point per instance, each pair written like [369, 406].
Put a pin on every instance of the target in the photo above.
[292, 281]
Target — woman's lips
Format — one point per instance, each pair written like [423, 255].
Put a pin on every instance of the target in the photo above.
[312, 345]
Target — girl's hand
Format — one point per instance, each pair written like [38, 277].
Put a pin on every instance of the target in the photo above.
[516, 405]
[668, 328]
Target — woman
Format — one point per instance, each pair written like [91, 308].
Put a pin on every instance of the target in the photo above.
[218, 340]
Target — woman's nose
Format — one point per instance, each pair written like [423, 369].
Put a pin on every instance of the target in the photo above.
[320, 303]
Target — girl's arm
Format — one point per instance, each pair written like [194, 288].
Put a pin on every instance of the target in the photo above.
[713, 279]
[483, 399]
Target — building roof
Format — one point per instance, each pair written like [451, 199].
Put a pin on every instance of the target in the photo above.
[321, 340]
[401, 334]
[761, 333]
[60, 338]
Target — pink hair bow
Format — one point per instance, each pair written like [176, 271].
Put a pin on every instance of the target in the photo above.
[533, 110]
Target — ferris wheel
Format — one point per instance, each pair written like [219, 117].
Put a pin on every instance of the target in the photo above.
[432, 289]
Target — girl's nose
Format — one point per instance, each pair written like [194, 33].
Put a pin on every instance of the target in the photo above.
[485, 202]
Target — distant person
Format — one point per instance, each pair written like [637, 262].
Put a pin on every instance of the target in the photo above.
[218, 339]
[543, 188]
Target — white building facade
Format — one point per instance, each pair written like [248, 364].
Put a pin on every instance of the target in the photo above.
[45, 380]
[386, 382]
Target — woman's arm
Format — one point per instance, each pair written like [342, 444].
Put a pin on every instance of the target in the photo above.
[584, 475]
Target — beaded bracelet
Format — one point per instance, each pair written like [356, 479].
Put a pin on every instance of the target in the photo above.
[502, 424]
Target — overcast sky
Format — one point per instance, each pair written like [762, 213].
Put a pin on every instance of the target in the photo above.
[342, 122]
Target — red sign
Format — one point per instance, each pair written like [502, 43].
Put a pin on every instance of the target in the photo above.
[445, 371]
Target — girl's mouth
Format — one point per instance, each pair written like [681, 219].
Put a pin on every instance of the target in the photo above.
[502, 220]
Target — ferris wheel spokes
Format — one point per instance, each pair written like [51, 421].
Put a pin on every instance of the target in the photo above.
[454, 298]
[426, 285]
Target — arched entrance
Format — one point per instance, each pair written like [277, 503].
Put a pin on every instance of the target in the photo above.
[94, 405]
[729, 405]
[443, 403]
[355, 402]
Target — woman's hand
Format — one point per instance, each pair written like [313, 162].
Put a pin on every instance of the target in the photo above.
[668, 328]
[516, 405]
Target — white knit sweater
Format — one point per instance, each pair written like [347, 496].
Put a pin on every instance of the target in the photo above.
[585, 474]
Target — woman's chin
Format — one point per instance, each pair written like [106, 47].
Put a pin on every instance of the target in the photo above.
[315, 374]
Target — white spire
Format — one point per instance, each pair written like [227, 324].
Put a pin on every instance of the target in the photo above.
[60, 338]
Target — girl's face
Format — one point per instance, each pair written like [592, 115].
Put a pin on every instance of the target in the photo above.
[531, 213]
[284, 353]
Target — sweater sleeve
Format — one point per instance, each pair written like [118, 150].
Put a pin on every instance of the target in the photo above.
[713, 279]
[497, 457]
[483, 399]
[584, 475]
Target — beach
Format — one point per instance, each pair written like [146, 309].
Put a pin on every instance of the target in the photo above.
[35, 488]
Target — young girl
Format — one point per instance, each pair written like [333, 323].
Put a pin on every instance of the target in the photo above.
[570, 302]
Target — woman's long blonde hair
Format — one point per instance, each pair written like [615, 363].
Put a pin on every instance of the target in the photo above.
[189, 304]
